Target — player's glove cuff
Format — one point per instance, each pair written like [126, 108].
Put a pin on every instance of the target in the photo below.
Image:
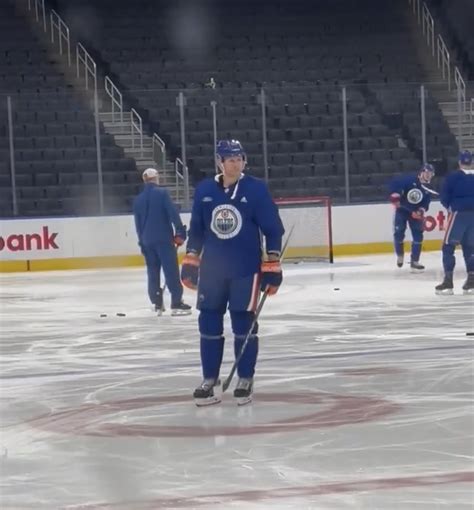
[395, 199]
[272, 276]
[418, 214]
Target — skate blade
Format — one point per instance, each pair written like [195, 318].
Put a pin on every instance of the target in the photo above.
[242, 401]
[445, 292]
[159, 313]
[468, 292]
[414, 270]
[203, 402]
[176, 313]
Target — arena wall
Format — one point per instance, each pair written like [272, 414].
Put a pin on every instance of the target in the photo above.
[110, 241]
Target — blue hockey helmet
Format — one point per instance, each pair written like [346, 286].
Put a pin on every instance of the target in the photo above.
[465, 158]
[427, 167]
[229, 148]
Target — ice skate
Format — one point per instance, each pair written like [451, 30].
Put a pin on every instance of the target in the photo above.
[468, 287]
[400, 261]
[416, 267]
[446, 286]
[180, 309]
[243, 391]
[206, 394]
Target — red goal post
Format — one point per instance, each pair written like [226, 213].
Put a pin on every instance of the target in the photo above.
[312, 235]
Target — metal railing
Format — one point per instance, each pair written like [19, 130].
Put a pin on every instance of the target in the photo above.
[444, 60]
[461, 88]
[136, 128]
[40, 11]
[88, 66]
[62, 30]
[116, 98]
[428, 28]
[159, 151]
[180, 180]
[416, 6]
[471, 116]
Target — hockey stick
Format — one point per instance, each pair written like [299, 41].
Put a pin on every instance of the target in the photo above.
[254, 322]
[429, 190]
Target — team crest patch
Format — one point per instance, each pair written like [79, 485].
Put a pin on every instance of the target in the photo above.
[415, 196]
[226, 221]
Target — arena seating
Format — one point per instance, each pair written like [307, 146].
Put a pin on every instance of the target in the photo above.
[54, 132]
[302, 53]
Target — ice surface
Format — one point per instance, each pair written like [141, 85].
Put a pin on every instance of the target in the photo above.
[363, 396]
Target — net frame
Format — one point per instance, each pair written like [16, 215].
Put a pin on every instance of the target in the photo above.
[310, 253]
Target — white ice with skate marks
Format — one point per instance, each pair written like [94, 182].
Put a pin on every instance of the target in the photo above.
[384, 335]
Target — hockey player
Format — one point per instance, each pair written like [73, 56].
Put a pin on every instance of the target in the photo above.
[457, 196]
[411, 200]
[155, 216]
[224, 262]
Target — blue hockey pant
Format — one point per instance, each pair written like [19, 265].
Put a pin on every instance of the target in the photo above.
[158, 256]
[401, 219]
[459, 230]
[240, 296]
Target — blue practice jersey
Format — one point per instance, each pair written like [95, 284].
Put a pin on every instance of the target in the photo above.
[412, 194]
[458, 191]
[155, 214]
[226, 226]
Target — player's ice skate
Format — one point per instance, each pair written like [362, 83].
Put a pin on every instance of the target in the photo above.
[243, 391]
[400, 261]
[416, 267]
[445, 287]
[468, 287]
[207, 393]
[180, 309]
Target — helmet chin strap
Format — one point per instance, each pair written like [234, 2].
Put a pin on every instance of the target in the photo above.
[222, 175]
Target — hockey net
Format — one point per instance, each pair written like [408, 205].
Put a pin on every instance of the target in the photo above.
[312, 234]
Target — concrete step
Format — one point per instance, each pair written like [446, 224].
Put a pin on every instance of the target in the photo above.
[126, 143]
[114, 121]
[145, 162]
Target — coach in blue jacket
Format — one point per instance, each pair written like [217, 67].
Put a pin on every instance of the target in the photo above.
[160, 230]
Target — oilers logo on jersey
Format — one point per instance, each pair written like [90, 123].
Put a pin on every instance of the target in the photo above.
[415, 196]
[226, 221]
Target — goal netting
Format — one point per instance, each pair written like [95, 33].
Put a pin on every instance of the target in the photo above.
[312, 235]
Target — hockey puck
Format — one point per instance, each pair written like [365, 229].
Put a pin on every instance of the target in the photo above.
[103, 315]
[337, 288]
[121, 314]
[470, 333]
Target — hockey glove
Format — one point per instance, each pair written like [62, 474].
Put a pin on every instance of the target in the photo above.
[395, 199]
[180, 236]
[272, 276]
[178, 240]
[190, 271]
[418, 214]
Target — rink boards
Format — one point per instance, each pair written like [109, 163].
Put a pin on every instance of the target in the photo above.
[110, 241]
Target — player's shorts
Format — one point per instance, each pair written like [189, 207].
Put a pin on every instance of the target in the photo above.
[460, 228]
[236, 294]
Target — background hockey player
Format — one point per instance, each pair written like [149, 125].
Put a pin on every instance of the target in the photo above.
[160, 230]
[230, 212]
[411, 200]
[457, 195]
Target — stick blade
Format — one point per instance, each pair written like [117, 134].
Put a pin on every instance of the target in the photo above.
[226, 384]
